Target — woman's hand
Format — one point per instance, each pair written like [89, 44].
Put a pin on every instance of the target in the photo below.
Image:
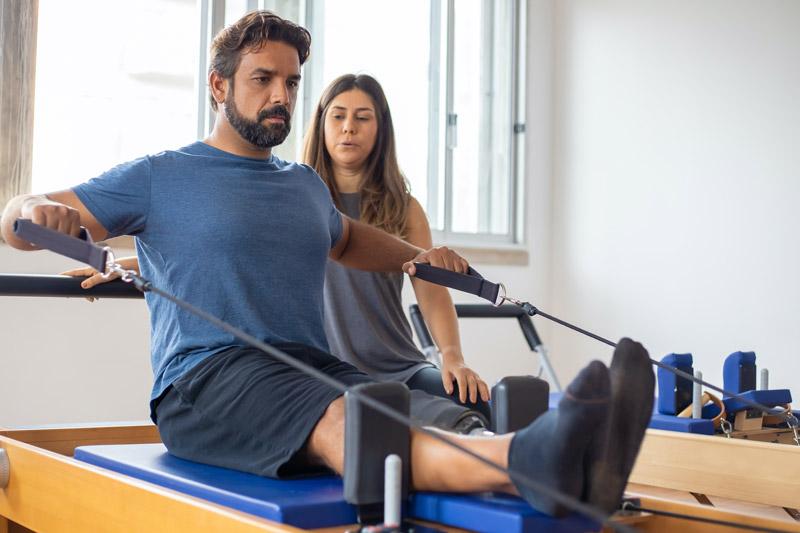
[93, 277]
[469, 382]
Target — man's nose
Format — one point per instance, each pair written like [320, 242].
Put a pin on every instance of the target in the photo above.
[280, 94]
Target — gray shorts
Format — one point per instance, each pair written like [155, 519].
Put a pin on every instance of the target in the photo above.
[243, 409]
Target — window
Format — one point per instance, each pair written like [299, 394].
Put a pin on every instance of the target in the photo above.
[109, 70]
[115, 80]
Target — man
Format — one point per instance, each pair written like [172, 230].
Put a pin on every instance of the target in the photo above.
[227, 226]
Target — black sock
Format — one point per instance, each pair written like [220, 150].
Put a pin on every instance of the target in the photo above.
[552, 449]
[612, 455]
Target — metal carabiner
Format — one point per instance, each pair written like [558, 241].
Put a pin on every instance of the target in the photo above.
[793, 423]
[503, 298]
[111, 262]
[727, 427]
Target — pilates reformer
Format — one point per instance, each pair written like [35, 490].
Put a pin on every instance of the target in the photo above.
[753, 463]
[150, 437]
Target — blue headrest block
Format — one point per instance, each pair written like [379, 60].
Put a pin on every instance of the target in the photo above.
[739, 372]
[674, 391]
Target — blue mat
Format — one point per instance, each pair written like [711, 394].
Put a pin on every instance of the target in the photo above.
[306, 502]
[491, 513]
[315, 502]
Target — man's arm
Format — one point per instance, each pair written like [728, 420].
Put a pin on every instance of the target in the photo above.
[364, 247]
[61, 211]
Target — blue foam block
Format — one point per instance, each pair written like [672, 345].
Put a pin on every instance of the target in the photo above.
[684, 425]
[770, 398]
[315, 502]
[491, 513]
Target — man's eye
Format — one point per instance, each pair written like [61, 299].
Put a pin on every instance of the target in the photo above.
[261, 79]
[293, 84]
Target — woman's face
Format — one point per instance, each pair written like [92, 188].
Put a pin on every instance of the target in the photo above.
[351, 127]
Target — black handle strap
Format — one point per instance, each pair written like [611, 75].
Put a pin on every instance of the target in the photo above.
[471, 282]
[83, 249]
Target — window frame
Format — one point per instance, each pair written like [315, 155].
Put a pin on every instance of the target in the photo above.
[515, 99]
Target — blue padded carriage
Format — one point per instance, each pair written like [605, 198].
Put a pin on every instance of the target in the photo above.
[315, 502]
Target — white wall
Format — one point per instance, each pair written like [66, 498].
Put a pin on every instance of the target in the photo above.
[68, 360]
[676, 179]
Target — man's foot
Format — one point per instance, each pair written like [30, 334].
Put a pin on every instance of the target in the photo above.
[552, 449]
[611, 456]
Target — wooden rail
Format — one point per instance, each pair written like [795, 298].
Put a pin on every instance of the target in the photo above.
[744, 470]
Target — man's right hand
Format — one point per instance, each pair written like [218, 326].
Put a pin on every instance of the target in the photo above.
[60, 211]
[45, 212]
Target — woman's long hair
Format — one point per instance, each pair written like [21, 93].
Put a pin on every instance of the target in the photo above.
[384, 191]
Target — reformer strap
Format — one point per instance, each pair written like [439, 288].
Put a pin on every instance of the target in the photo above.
[81, 249]
[471, 282]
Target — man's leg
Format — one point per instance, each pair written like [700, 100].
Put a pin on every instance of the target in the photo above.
[551, 450]
[434, 465]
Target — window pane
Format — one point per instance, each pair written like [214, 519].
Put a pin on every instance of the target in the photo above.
[468, 55]
[389, 41]
[114, 81]
[482, 91]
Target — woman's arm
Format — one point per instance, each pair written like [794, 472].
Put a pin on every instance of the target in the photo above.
[437, 308]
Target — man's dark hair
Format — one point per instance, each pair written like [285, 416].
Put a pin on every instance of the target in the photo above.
[249, 34]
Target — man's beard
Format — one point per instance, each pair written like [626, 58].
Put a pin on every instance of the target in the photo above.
[255, 132]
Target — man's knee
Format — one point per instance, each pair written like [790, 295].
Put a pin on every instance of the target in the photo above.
[326, 442]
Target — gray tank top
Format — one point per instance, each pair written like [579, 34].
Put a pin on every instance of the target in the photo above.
[364, 319]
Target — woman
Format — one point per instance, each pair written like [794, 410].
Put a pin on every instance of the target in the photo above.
[350, 143]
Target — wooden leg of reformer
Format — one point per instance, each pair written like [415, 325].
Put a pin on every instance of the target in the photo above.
[3, 525]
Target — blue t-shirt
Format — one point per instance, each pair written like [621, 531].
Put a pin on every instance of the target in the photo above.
[246, 240]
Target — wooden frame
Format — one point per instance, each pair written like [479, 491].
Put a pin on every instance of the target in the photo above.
[50, 491]
[740, 469]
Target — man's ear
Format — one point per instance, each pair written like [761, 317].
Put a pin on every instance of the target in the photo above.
[218, 86]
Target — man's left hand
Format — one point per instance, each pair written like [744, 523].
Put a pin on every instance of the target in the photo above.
[440, 256]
